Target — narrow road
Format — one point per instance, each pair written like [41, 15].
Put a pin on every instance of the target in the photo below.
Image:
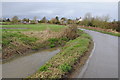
[103, 62]
[24, 66]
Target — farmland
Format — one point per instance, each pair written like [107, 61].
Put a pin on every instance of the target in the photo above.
[19, 41]
[33, 27]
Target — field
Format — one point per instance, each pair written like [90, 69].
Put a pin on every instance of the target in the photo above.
[33, 27]
[31, 37]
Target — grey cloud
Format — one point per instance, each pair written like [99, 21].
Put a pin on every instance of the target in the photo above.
[61, 9]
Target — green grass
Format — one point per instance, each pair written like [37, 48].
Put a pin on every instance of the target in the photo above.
[9, 34]
[110, 33]
[8, 37]
[5, 23]
[63, 62]
[33, 27]
[53, 42]
[65, 67]
[45, 67]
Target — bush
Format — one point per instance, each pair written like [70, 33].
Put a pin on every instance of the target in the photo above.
[70, 32]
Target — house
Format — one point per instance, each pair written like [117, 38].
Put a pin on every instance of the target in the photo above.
[80, 19]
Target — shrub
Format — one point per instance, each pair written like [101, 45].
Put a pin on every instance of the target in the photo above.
[70, 32]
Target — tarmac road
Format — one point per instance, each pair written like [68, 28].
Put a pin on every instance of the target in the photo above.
[25, 66]
[103, 61]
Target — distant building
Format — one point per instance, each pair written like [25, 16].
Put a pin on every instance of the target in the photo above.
[80, 19]
[29, 22]
[25, 22]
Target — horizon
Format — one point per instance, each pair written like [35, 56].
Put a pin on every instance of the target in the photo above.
[60, 9]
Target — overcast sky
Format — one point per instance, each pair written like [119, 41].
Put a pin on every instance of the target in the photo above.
[61, 9]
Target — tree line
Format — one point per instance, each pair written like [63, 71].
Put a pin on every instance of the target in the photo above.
[56, 20]
[88, 20]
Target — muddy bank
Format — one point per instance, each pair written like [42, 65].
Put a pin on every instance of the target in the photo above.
[27, 65]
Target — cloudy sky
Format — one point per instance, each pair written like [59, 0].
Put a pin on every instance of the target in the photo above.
[61, 9]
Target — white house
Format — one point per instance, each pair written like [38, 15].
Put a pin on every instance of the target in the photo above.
[80, 19]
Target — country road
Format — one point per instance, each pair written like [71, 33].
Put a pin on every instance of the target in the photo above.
[25, 66]
[103, 61]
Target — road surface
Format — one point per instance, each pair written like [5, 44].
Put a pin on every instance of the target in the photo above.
[24, 66]
[103, 61]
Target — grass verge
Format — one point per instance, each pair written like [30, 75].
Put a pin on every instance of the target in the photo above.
[62, 63]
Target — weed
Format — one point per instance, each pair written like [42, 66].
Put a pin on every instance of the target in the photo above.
[52, 45]
[28, 40]
[53, 40]
[45, 67]
[65, 67]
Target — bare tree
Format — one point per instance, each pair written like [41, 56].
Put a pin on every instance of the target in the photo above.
[106, 18]
[15, 19]
[88, 16]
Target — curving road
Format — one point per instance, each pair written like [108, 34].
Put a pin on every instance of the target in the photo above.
[24, 66]
[103, 61]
